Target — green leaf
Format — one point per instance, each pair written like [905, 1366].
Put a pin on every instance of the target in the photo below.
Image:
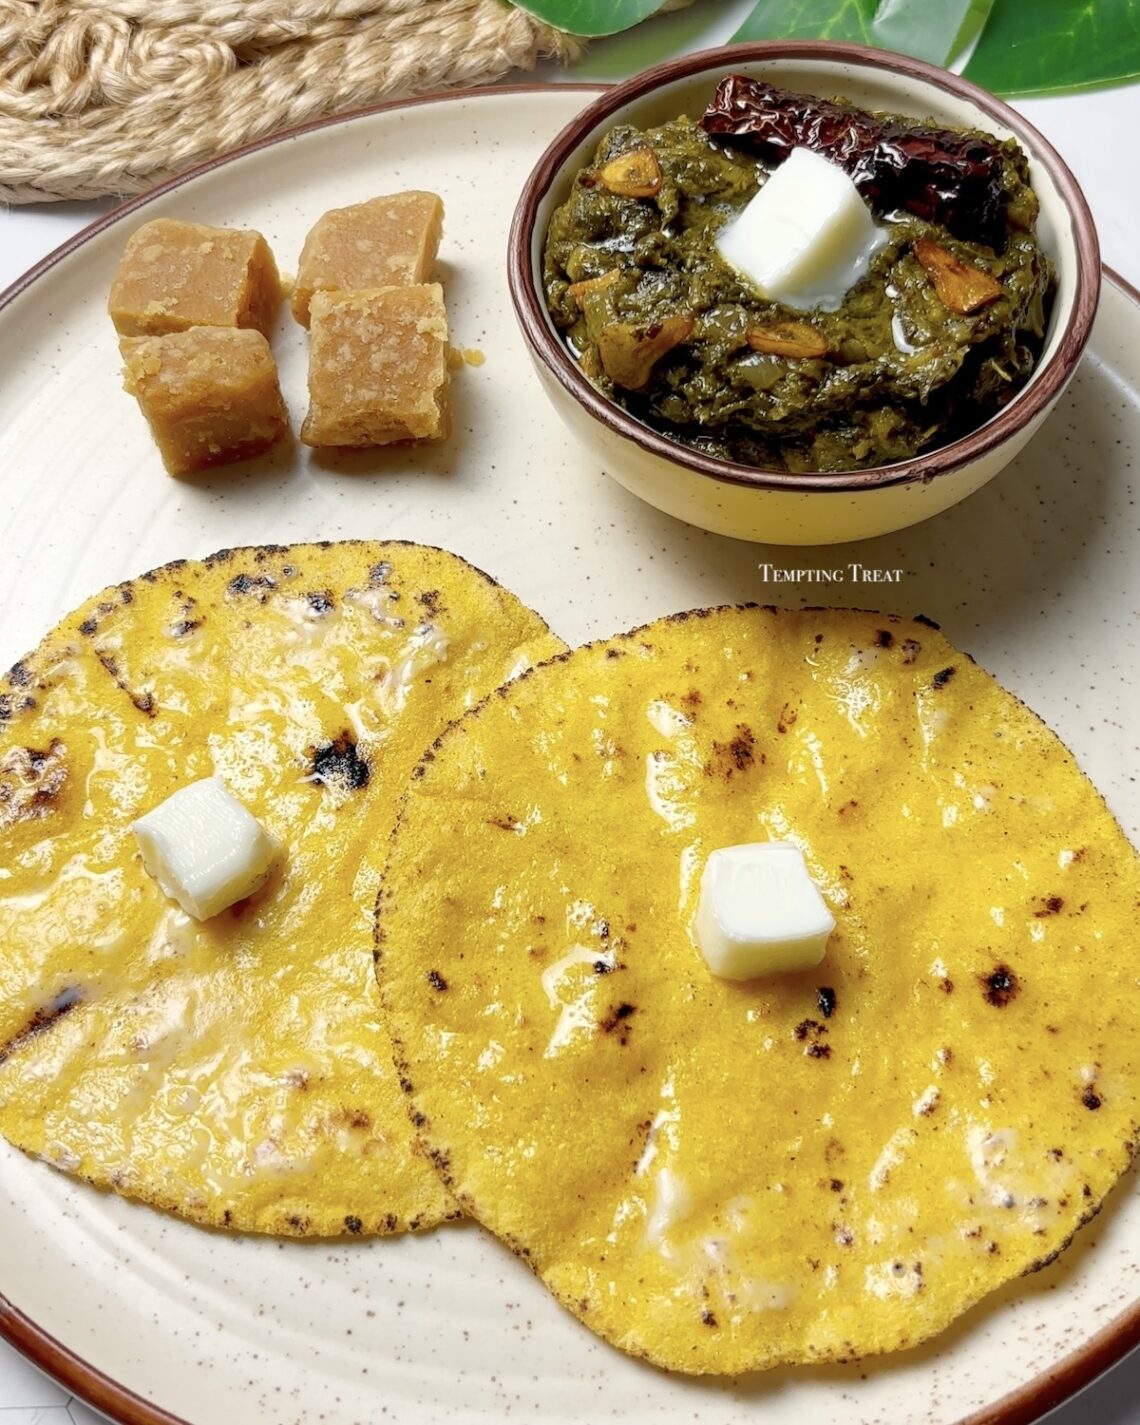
[592, 17]
[1023, 47]
[845, 20]
[669, 36]
[1046, 46]
[937, 32]
[929, 29]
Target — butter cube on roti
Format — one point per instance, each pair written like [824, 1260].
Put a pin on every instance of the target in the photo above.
[760, 912]
[204, 848]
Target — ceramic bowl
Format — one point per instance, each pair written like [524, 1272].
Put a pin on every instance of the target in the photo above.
[777, 506]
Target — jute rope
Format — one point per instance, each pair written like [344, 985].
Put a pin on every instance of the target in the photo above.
[109, 96]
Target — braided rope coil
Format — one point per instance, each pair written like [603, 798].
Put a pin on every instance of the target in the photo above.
[105, 97]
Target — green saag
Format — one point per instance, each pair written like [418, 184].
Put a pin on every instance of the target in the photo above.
[664, 327]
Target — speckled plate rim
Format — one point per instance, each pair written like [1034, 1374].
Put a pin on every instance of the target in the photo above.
[1023, 1406]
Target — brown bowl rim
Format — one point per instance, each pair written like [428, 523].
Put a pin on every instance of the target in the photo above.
[1036, 398]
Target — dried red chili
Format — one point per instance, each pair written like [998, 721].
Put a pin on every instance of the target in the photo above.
[945, 177]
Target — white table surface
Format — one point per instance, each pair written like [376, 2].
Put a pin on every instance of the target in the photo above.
[1096, 133]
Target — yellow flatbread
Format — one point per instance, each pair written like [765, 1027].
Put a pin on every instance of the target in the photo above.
[725, 1176]
[233, 1071]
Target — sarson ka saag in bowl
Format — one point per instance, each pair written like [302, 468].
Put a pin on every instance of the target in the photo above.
[911, 332]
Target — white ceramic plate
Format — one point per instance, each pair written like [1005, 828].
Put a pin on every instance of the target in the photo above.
[1038, 576]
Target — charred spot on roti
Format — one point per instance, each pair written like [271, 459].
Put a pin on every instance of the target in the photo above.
[617, 1022]
[431, 601]
[999, 986]
[31, 779]
[340, 763]
[736, 755]
[1049, 905]
[259, 586]
[142, 700]
[810, 1033]
[43, 1019]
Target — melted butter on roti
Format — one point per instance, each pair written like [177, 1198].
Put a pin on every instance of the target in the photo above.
[724, 1176]
[234, 1070]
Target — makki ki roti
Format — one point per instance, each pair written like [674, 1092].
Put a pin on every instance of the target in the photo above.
[234, 1070]
[723, 1176]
